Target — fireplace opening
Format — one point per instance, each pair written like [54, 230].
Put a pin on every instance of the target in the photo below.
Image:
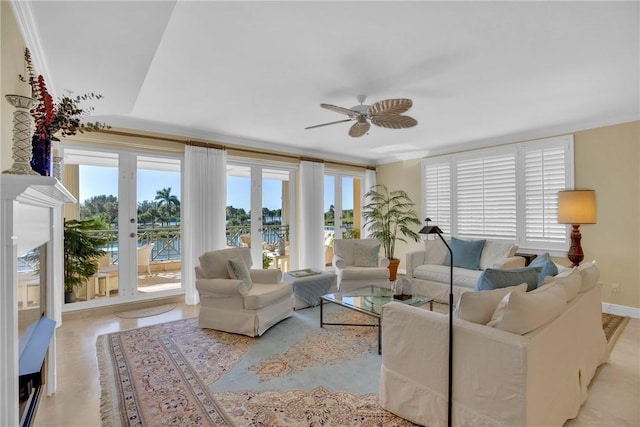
[35, 331]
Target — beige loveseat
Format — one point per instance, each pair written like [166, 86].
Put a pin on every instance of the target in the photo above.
[430, 276]
[530, 368]
[233, 305]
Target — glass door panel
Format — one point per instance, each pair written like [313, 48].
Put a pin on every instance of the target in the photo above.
[93, 178]
[275, 219]
[238, 206]
[158, 246]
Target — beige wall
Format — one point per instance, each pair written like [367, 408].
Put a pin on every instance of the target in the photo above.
[607, 160]
[11, 65]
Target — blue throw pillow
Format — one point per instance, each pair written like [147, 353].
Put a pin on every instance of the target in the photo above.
[494, 278]
[466, 253]
[548, 266]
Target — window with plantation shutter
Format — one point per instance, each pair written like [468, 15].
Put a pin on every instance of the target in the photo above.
[508, 193]
[545, 173]
[486, 197]
[437, 200]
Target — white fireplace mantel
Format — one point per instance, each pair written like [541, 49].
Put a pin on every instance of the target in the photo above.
[30, 215]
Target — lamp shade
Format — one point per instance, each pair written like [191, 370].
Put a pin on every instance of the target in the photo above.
[577, 207]
[430, 229]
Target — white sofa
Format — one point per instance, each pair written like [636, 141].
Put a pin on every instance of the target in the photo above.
[500, 378]
[429, 276]
[228, 304]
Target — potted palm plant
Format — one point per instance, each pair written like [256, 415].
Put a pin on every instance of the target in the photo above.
[389, 216]
[82, 248]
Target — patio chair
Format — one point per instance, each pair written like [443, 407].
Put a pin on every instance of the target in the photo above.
[144, 257]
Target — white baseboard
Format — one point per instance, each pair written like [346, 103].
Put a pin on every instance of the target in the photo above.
[621, 310]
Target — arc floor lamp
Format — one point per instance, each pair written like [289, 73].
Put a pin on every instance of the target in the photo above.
[434, 229]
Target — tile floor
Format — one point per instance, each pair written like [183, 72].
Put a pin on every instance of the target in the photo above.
[613, 400]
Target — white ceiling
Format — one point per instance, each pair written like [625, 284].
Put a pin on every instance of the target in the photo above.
[254, 73]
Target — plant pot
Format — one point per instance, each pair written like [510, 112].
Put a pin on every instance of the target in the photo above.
[393, 268]
[69, 297]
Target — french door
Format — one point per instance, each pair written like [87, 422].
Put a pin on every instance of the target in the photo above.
[260, 210]
[135, 197]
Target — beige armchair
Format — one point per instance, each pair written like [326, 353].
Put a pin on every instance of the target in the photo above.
[357, 264]
[243, 305]
[144, 258]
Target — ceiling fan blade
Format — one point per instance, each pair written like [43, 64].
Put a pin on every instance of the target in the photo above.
[394, 122]
[348, 112]
[359, 128]
[390, 107]
[330, 123]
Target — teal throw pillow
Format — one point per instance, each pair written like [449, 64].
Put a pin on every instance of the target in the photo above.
[466, 253]
[494, 278]
[549, 268]
[238, 270]
[366, 255]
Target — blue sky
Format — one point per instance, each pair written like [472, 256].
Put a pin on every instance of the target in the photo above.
[104, 180]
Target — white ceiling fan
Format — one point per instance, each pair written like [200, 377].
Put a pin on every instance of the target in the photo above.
[386, 113]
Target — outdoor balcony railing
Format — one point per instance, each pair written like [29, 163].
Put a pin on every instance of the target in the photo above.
[167, 243]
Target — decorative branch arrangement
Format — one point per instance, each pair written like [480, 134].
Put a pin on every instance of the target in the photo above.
[62, 117]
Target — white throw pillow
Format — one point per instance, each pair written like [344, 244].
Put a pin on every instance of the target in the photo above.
[494, 252]
[238, 270]
[435, 252]
[571, 280]
[522, 312]
[478, 307]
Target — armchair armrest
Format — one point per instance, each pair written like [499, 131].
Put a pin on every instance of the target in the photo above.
[338, 261]
[220, 287]
[414, 259]
[383, 262]
[270, 276]
[510, 262]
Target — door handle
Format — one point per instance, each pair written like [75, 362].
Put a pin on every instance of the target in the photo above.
[132, 235]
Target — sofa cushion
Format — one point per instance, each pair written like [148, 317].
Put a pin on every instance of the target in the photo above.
[466, 253]
[549, 268]
[522, 312]
[214, 264]
[493, 278]
[435, 251]
[363, 273]
[478, 307]
[366, 255]
[262, 295]
[238, 270]
[590, 275]
[440, 273]
[493, 252]
[571, 280]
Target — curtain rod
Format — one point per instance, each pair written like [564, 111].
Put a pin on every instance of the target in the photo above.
[207, 144]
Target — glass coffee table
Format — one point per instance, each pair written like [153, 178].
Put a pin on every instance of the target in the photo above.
[368, 300]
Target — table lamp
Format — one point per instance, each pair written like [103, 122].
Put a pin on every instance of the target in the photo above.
[576, 207]
[434, 229]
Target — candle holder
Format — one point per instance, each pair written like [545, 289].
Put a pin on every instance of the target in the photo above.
[22, 133]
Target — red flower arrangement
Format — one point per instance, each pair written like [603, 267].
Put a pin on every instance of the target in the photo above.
[64, 116]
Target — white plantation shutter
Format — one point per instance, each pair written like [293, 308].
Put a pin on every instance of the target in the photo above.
[486, 197]
[508, 193]
[437, 195]
[545, 173]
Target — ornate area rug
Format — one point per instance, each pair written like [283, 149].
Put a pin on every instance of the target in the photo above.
[613, 326]
[296, 374]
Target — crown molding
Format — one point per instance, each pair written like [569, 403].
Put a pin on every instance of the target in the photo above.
[27, 24]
